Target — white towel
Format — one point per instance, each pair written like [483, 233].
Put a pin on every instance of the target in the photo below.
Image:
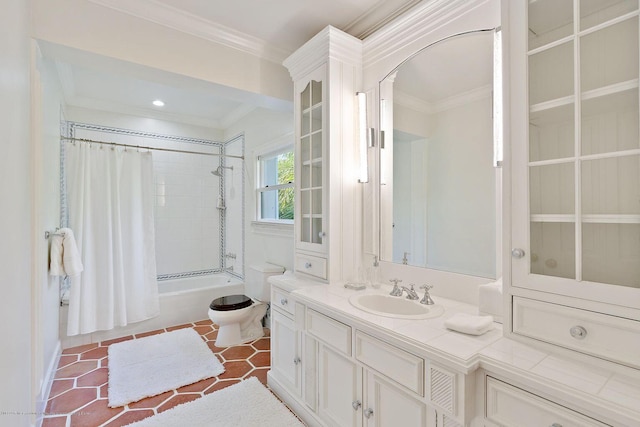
[469, 324]
[65, 257]
[55, 262]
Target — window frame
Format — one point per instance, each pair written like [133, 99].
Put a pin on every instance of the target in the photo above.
[260, 188]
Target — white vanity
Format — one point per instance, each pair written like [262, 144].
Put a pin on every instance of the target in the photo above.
[558, 219]
[336, 365]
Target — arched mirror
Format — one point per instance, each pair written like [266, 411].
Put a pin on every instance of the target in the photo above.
[439, 187]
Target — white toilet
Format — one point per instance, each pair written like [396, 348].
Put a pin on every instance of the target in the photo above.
[239, 317]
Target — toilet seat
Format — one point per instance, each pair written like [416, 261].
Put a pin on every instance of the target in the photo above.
[230, 302]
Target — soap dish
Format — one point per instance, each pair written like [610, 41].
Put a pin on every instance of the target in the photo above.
[355, 286]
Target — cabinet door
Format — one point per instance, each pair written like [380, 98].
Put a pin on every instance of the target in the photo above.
[339, 389]
[576, 149]
[388, 405]
[285, 352]
[311, 162]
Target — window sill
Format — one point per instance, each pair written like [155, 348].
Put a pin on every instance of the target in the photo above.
[272, 228]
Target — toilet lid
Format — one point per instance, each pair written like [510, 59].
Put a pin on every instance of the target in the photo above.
[230, 302]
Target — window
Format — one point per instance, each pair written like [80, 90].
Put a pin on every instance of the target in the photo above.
[275, 186]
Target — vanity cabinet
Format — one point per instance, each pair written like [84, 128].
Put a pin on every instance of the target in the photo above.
[334, 374]
[325, 74]
[575, 175]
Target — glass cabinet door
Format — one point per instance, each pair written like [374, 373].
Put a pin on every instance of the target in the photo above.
[311, 161]
[583, 160]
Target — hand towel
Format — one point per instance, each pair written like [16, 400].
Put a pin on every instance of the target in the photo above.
[55, 262]
[64, 255]
[469, 324]
[70, 254]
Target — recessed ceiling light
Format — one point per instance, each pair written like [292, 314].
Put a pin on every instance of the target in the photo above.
[158, 103]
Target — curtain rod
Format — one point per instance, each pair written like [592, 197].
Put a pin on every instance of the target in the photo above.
[116, 144]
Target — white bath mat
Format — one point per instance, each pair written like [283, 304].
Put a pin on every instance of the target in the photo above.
[246, 404]
[151, 365]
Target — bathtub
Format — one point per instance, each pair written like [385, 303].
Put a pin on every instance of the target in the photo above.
[181, 301]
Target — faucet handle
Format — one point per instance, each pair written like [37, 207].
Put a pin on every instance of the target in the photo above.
[427, 300]
[395, 281]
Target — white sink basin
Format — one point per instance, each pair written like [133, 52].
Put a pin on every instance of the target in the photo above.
[397, 307]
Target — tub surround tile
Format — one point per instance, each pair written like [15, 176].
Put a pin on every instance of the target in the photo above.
[79, 393]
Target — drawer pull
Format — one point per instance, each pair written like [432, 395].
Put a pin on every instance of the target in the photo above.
[368, 413]
[578, 332]
[284, 301]
[356, 405]
[556, 425]
[307, 264]
[296, 361]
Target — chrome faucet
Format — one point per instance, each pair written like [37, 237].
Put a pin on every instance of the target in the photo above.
[427, 300]
[405, 260]
[396, 291]
[411, 292]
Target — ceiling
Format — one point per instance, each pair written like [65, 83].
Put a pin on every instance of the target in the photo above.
[94, 82]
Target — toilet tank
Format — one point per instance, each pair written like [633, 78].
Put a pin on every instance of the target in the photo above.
[255, 283]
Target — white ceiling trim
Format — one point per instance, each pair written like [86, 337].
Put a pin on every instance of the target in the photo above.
[458, 100]
[378, 16]
[169, 16]
[415, 24]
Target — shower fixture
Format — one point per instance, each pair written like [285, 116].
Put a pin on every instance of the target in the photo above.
[218, 171]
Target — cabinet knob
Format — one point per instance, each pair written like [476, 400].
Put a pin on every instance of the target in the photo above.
[578, 332]
[284, 301]
[356, 405]
[307, 264]
[517, 253]
[296, 361]
[368, 413]
[322, 234]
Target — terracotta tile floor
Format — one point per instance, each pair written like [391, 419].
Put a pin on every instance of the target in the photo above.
[78, 396]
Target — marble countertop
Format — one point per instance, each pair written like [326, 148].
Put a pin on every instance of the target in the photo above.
[614, 389]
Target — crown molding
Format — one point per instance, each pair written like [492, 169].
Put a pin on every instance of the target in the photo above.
[169, 16]
[458, 100]
[329, 43]
[416, 23]
[378, 16]
[413, 103]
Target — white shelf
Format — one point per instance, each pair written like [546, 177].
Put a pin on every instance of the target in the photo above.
[585, 96]
[592, 218]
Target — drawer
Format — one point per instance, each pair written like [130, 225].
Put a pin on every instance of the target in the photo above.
[282, 300]
[332, 332]
[398, 365]
[589, 332]
[312, 265]
[511, 406]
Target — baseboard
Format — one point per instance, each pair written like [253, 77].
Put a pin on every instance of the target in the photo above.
[47, 382]
[298, 408]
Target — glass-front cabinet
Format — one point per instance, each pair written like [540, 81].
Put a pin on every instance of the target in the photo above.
[310, 161]
[576, 162]
[324, 72]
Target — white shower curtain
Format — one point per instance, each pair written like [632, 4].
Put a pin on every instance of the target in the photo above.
[110, 202]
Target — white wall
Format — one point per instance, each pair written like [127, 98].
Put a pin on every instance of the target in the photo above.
[263, 128]
[90, 27]
[46, 174]
[16, 194]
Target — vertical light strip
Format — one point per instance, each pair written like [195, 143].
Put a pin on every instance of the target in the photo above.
[498, 154]
[362, 137]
